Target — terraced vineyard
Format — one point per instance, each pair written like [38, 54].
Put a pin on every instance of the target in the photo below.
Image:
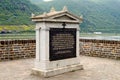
[17, 32]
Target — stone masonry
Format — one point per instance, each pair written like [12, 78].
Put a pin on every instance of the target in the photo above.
[100, 48]
[15, 49]
[19, 49]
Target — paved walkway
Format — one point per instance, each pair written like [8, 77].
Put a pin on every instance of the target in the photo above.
[94, 69]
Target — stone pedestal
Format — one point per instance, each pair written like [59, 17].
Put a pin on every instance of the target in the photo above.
[53, 72]
[55, 53]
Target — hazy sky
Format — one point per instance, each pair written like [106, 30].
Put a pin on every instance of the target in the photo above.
[47, 0]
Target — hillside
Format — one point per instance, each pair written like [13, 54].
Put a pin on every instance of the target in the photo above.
[99, 15]
[16, 12]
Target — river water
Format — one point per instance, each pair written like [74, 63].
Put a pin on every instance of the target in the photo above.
[117, 38]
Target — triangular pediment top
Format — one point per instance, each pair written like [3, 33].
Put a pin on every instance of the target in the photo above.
[63, 15]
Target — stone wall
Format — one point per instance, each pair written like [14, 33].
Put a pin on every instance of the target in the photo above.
[100, 48]
[19, 49]
[16, 49]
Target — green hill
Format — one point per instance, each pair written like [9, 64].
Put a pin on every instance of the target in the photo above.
[99, 15]
[16, 12]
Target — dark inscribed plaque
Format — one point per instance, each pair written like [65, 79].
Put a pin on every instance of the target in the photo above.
[62, 43]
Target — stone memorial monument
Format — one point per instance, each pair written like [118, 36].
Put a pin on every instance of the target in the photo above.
[57, 43]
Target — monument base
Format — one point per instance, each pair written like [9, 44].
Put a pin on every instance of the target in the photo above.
[56, 71]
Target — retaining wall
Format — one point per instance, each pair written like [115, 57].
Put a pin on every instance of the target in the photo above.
[100, 48]
[19, 49]
[16, 49]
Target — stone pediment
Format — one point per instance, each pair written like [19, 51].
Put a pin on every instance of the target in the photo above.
[64, 16]
[57, 16]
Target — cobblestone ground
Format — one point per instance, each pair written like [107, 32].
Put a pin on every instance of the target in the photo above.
[94, 69]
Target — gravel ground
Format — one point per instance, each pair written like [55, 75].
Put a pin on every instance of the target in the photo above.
[94, 69]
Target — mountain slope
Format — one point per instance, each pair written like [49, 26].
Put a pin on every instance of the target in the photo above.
[99, 15]
[16, 12]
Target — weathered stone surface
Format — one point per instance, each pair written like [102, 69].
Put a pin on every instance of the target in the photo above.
[10, 50]
[16, 49]
[57, 42]
[57, 71]
[94, 69]
[100, 48]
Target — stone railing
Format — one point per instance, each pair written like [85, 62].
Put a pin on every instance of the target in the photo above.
[100, 48]
[15, 49]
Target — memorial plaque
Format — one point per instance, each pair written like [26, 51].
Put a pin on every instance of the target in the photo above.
[62, 43]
